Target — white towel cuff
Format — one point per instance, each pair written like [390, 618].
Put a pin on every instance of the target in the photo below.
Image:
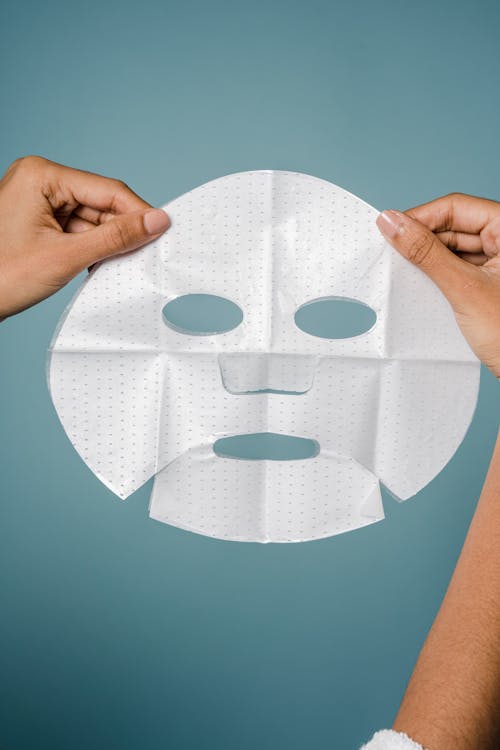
[387, 739]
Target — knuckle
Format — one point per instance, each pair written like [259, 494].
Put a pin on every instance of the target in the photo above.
[30, 163]
[420, 249]
[120, 184]
[26, 167]
[118, 189]
[118, 235]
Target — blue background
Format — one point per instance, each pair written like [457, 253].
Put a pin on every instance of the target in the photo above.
[120, 633]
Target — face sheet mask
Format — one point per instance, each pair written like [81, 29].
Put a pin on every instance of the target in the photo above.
[139, 394]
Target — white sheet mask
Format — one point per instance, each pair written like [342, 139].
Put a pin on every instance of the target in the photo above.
[139, 397]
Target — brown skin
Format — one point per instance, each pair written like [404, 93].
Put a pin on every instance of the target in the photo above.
[56, 221]
[452, 701]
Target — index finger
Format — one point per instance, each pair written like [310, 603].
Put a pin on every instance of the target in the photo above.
[456, 212]
[97, 192]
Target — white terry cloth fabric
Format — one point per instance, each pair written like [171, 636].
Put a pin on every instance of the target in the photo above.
[387, 739]
[138, 397]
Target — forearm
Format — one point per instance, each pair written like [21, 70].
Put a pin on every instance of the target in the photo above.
[453, 698]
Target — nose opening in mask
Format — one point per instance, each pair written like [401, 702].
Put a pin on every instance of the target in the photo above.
[266, 446]
[335, 318]
[248, 373]
[202, 314]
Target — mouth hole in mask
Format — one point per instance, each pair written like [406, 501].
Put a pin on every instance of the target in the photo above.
[202, 314]
[335, 318]
[262, 446]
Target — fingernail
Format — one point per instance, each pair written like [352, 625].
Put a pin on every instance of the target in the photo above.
[156, 221]
[390, 223]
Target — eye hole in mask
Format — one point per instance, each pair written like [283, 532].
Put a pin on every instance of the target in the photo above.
[202, 314]
[335, 318]
[270, 446]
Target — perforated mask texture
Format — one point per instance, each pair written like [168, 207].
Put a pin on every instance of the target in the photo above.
[138, 398]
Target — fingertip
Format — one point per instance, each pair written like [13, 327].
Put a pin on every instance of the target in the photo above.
[156, 221]
[390, 223]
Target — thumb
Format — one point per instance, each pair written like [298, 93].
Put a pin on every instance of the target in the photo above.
[420, 246]
[117, 235]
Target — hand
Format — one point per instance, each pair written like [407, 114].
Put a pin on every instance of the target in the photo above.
[56, 221]
[455, 240]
